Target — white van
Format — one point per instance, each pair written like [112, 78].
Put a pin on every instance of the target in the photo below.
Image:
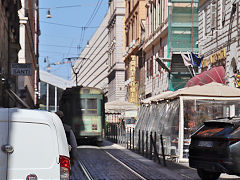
[33, 146]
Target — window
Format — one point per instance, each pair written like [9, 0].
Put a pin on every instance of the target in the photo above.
[159, 12]
[148, 68]
[223, 12]
[92, 104]
[151, 66]
[204, 20]
[213, 15]
[127, 38]
[83, 104]
[88, 106]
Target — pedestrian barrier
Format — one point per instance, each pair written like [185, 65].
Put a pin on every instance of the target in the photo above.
[142, 142]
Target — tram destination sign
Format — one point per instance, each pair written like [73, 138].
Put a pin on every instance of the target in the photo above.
[20, 69]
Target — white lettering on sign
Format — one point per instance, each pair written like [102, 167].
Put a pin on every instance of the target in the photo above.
[21, 69]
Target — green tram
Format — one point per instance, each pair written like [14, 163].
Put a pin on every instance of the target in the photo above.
[83, 109]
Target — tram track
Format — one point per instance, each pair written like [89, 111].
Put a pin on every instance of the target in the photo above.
[89, 176]
[126, 166]
[85, 170]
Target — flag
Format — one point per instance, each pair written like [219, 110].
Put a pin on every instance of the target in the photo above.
[195, 60]
[186, 60]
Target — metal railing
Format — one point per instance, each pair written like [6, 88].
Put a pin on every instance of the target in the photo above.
[148, 144]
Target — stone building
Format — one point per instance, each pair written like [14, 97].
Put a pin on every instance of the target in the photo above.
[91, 68]
[219, 40]
[9, 47]
[156, 46]
[171, 28]
[100, 63]
[116, 73]
[29, 33]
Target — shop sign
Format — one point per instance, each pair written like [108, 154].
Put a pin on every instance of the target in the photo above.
[215, 58]
[132, 88]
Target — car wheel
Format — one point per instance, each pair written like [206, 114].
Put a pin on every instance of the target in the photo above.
[208, 175]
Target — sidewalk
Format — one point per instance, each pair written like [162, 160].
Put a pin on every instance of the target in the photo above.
[154, 170]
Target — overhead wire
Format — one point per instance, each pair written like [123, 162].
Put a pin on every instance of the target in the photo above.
[89, 21]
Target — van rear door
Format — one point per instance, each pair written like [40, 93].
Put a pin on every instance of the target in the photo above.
[3, 143]
[35, 151]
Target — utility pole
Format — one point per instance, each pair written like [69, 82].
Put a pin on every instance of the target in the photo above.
[76, 73]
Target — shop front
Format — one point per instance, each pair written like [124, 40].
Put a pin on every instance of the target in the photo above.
[213, 69]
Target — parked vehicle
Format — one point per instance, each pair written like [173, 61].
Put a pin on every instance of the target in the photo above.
[33, 146]
[83, 109]
[215, 148]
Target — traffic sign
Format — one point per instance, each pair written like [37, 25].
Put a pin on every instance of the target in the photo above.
[20, 69]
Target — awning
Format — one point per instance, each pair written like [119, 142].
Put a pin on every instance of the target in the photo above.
[119, 106]
[156, 97]
[216, 74]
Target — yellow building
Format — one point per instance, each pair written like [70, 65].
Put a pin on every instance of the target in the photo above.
[134, 29]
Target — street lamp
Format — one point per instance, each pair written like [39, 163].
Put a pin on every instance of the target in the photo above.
[48, 14]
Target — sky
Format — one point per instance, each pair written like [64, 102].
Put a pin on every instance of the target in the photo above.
[64, 35]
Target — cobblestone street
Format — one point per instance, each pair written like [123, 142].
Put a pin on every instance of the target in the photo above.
[101, 166]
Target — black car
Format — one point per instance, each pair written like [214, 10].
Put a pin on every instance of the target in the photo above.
[215, 148]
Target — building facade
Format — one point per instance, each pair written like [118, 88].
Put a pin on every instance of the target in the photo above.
[156, 47]
[29, 33]
[91, 68]
[133, 56]
[182, 39]
[219, 39]
[171, 30]
[116, 68]
[9, 40]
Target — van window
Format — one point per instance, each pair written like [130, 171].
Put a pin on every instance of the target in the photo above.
[34, 145]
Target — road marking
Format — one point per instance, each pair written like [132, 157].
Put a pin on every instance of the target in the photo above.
[85, 170]
[130, 169]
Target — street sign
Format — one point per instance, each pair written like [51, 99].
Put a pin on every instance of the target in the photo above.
[18, 69]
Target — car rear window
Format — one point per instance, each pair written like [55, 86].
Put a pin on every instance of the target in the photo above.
[216, 130]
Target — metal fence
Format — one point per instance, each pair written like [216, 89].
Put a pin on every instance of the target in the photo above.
[148, 144]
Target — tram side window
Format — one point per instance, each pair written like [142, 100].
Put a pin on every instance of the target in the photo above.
[83, 104]
[89, 106]
[92, 106]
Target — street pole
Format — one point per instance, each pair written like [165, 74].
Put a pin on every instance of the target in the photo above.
[76, 73]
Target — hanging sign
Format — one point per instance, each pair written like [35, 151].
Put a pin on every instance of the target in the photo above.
[19, 69]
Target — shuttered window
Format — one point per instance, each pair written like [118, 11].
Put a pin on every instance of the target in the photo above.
[223, 12]
[213, 15]
[204, 23]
